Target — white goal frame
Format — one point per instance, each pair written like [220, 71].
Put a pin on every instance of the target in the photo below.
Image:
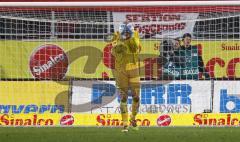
[117, 3]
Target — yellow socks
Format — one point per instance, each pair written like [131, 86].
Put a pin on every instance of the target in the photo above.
[135, 107]
[124, 113]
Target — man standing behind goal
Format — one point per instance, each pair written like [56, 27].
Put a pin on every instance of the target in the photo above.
[126, 48]
[193, 64]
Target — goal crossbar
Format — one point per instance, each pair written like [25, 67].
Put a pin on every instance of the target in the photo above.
[119, 3]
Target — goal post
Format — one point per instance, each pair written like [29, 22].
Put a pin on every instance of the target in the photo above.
[56, 58]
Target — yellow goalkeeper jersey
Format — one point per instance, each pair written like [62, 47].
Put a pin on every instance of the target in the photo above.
[126, 51]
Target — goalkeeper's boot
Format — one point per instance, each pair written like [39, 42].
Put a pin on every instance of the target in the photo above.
[133, 123]
[125, 129]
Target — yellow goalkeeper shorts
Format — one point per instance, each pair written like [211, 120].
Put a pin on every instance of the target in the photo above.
[128, 77]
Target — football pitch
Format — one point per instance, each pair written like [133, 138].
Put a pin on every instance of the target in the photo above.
[85, 134]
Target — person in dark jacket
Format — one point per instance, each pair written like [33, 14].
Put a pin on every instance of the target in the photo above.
[193, 64]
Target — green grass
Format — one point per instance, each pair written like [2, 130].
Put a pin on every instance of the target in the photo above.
[177, 134]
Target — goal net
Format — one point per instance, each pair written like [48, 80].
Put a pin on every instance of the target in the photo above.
[57, 59]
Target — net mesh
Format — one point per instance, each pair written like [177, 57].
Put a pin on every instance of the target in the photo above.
[60, 60]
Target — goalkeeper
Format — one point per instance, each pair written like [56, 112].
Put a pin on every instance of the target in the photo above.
[126, 48]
